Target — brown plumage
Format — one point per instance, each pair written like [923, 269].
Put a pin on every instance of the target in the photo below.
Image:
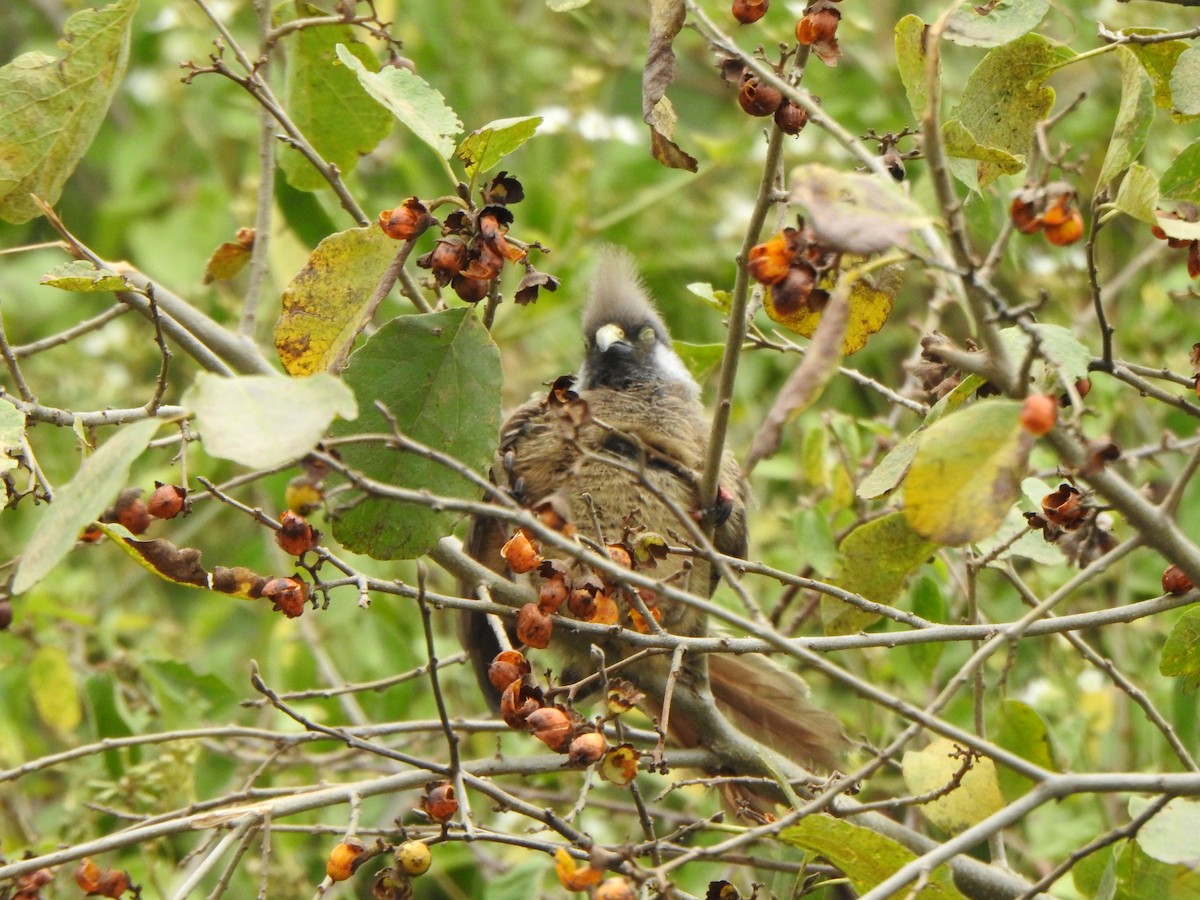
[643, 413]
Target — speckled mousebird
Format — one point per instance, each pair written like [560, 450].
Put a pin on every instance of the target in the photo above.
[644, 413]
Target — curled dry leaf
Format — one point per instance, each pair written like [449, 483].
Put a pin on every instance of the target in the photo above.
[518, 701]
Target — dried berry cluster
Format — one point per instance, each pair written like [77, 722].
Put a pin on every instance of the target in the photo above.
[295, 536]
[791, 264]
[590, 597]
[135, 514]
[1069, 520]
[1049, 208]
[757, 98]
[410, 859]
[97, 882]
[474, 245]
[523, 707]
[817, 28]
[1186, 212]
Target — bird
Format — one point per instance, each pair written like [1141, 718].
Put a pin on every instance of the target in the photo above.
[621, 453]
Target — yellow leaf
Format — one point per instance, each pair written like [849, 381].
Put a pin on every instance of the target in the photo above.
[975, 798]
[967, 473]
[324, 304]
[54, 691]
[870, 305]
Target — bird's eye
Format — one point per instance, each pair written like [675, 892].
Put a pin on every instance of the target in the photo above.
[647, 335]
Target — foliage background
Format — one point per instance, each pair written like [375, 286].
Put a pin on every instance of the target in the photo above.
[101, 649]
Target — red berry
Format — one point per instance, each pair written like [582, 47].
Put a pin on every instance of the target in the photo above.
[167, 501]
[749, 11]
[758, 99]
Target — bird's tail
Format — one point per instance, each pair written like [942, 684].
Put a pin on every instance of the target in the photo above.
[770, 704]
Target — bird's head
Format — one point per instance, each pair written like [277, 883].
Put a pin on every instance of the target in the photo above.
[627, 344]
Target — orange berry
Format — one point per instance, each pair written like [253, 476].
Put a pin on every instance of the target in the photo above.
[287, 595]
[342, 859]
[439, 801]
[1066, 232]
[295, 535]
[521, 553]
[508, 666]
[1039, 412]
[552, 727]
[586, 749]
[534, 627]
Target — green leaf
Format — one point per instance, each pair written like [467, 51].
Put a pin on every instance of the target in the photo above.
[1180, 655]
[867, 857]
[107, 715]
[1018, 539]
[82, 277]
[967, 473]
[814, 535]
[439, 375]
[701, 359]
[1127, 872]
[1004, 22]
[975, 798]
[325, 102]
[54, 691]
[1185, 82]
[1003, 101]
[411, 100]
[890, 471]
[961, 144]
[1181, 181]
[706, 292]
[485, 147]
[303, 212]
[264, 420]
[959, 394]
[1023, 731]
[1068, 358]
[76, 504]
[1133, 118]
[854, 212]
[928, 603]
[323, 305]
[1170, 836]
[51, 108]
[179, 686]
[518, 882]
[12, 432]
[566, 6]
[1138, 194]
[910, 60]
[1158, 60]
[876, 559]
[1178, 228]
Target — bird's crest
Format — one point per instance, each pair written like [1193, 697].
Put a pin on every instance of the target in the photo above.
[618, 294]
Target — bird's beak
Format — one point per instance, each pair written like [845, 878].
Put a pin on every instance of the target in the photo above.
[608, 335]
